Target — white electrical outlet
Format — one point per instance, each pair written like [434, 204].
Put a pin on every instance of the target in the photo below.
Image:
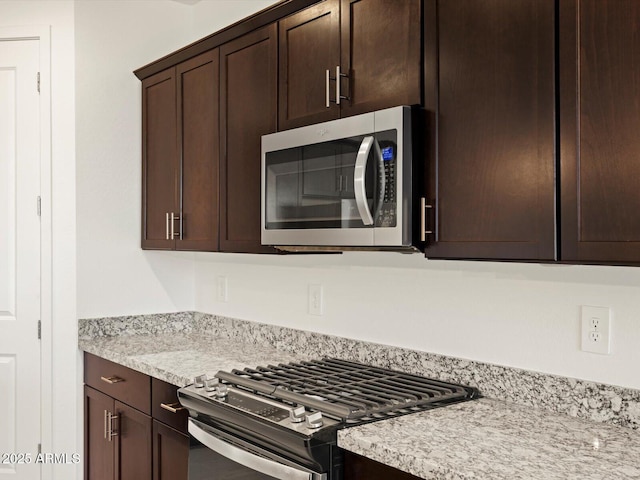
[316, 306]
[596, 329]
[221, 288]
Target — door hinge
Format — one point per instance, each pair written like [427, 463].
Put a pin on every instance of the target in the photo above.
[39, 206]
[38, 82]
[39, 329]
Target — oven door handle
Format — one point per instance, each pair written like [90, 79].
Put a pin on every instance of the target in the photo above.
[359, 187]
[250, 460]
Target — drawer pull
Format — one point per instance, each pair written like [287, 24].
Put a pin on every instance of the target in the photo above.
[172, 407]
[112, 380]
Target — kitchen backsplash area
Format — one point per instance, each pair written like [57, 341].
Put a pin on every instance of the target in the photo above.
[574, 397]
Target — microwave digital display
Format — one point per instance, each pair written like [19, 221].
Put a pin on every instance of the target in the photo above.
[387, 154]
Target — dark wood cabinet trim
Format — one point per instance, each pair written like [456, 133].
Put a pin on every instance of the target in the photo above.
[260, 19]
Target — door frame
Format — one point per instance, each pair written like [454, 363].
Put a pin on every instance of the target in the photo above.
[43, 35]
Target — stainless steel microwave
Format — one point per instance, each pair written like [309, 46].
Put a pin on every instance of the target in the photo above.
[342, 184]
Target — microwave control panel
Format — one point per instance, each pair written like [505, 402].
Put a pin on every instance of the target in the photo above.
[387, 214]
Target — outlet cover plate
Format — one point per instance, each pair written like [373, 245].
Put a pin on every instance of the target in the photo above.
[316, 306]
[596, 329]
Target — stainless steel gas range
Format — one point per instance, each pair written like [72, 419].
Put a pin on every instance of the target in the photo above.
[281, 421]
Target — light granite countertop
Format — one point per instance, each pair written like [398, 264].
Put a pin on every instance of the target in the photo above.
[178, 357]
[483, 439]
[487, 439]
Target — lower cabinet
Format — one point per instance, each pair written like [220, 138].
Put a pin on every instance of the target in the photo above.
[170, 453]
[143, 439]
[357, 467]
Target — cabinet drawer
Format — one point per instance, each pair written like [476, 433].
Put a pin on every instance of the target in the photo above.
[165, 406]
[119, 382]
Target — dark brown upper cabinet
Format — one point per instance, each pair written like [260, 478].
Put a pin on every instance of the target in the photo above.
[248, 94]
[181, 156]
[159, 159]
[599, 131]
[375, 44]
[490, 129]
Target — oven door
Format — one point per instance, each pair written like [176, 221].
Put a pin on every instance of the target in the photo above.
[217, 455]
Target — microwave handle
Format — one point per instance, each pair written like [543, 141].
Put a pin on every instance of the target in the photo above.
[250, 460]
[359, 187]
[381, 177]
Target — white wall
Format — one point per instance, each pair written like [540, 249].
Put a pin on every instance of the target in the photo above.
[213, 15]
[520, 315]
[59, 16]
[116, 277]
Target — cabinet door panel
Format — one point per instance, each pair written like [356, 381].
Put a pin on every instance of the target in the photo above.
[159, 158]
[380, 42]
[248, 93]
[98, 452]
[170, 453]
[133, 444]
[309, 46]
[492, 154]
[599, 130]
[357, 467]
[198, 127]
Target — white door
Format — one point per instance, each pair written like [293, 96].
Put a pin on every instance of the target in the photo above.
[20, 430]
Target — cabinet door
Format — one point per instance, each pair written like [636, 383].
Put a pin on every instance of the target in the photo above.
[489, 96]
[599, 134]
[170, 453]
[198, 137]
[133, 443]
[309, 46]
[380, 43]
[357, 467]
[248, 93]
[159, 159]
[98, 450]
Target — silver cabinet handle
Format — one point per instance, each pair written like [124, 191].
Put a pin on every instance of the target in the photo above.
[167, 224]
[359, 187]
[108, 425]
[110, 432]
[423, 219]
[172, 407]
[111, 380]
[326, 83]
[250, 460]
[173, 234]
[339, 76]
